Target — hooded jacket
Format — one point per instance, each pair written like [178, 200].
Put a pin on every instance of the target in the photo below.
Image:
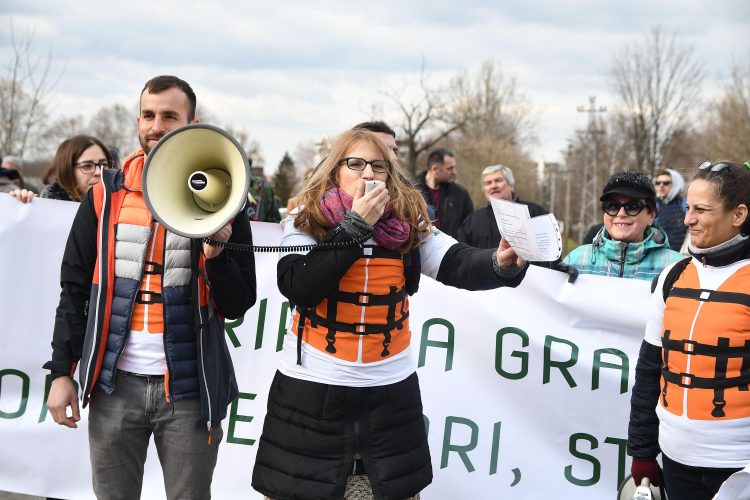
[101, 272]
[606, 257]
[671, 212]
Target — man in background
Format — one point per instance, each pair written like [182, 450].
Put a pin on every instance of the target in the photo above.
[670, 206]
[449, 200]
[384, 133]
[480, 229]
[12, 162]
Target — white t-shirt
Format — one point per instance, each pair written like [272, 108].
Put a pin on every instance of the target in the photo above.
[317, 366]
[699, 443]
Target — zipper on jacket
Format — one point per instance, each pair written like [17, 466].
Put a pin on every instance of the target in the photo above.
[203, 365]
[86, 389]
[622, 259]
[356, 430]
[168, 378]
[132, 303]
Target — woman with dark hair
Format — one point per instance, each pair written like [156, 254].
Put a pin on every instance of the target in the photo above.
[344, 413]
[77, 165]
[690, 400]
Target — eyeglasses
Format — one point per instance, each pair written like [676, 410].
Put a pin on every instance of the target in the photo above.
[662, 183]
[89, 167]
[378, 166]
[632, 208]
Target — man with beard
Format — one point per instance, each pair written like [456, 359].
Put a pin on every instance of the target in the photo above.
[138, 319]
[449, 200]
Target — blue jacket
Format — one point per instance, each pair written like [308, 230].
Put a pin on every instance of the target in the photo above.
[606, 257]
[93, 317]
[671, 218]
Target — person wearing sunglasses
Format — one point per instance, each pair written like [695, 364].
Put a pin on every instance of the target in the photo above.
[690, 400]
[670, 206]
[629, 245]
[76, 167]
[345, 416]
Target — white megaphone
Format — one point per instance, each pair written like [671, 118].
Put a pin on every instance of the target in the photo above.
[629, 490]
[195, 180]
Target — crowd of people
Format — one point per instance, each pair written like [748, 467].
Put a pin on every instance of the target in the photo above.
[344, 420]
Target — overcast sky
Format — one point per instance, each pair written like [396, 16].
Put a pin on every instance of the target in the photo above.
[290, 72]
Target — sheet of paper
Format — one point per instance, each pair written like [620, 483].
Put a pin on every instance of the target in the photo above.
[533, 239]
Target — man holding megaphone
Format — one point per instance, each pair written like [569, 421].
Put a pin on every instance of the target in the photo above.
[141, 312]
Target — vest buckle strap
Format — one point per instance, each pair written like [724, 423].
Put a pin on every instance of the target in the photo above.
[688, 346]
[363, 298]
[152, 268]
[686, 380]
[330, 341]
[153, 298]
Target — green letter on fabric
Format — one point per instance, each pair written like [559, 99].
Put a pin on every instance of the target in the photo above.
[448, 344]
[282, 325]
[562, 365]
[235, 417]
[596, 466]
[460, 449]
[521, 355]
[25, 383]
[624, 367]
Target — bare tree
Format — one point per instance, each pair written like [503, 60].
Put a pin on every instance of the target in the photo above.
[115, 126]
[57, 131]
[727, 131]
[23, 94]
[658, 82]
[249, 145]
[426, 118]
[497, 127]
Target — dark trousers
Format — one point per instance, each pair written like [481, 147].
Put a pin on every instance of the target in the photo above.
[684, 482]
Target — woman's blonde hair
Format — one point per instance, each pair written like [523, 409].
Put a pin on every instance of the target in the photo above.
[407, 203]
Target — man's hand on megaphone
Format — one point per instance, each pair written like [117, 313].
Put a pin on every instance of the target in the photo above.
[222, 235]
[645, 467]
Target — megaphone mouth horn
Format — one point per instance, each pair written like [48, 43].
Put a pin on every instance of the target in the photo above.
[195, 180]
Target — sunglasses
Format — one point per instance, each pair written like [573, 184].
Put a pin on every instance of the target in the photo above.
[715, 167]
[662, 183]
[632, 207]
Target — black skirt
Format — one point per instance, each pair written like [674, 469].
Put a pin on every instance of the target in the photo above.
[313, 433]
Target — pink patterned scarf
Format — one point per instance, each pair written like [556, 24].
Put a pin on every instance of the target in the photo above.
[389, 232]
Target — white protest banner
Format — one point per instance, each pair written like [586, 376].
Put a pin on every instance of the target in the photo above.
[526, 391]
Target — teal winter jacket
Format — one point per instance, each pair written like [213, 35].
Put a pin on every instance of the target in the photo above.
[606, 257]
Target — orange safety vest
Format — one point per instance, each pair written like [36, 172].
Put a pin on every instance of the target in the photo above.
[370, 306]
[706, 348]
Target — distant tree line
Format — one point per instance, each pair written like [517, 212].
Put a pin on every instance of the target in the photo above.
[658, 119]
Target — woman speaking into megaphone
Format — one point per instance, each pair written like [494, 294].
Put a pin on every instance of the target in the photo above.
[345, 406]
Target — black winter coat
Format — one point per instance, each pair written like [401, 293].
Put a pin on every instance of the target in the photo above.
[455, 204]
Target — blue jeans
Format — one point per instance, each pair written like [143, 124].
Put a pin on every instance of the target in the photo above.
[120, 427]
